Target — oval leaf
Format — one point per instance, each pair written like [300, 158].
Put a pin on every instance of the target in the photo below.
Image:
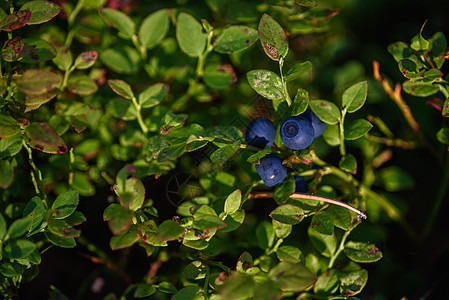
[326, 111]
[122, 60]
[235, 38]
[232, 202]
[153, 95]
[357, 128]
[119, 21]
[272, 37]
[190, 36]
[355, 96]
[65, 204]
[288, 214]
[41, 11]
[37, 81]
[420, 89]
[154, 28]
[170, 230]
[354, 282]
[8, 126]
[292, 277]
[41, 136]
[85, 60]
[121, 88]
[18, 249]
[362, 252]
[323, 223]
[266, 83]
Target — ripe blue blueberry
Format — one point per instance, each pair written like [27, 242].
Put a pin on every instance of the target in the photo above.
[297, 132]
[301, 184]
[260, 133]
[318, 125]
[271, 170]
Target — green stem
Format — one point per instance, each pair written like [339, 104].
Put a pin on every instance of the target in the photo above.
[71, 21]
[202, 58]
[36, 176]
[139, 115]
[284, 83]
[65, 80]
[275, 247]
[206, 283]
[342, 133]
[340, 248]
[142, 49]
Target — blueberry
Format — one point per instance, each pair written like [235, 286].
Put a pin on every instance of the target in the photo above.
[297, 132]
[271, 170]
[301, 184]
[318, 125]
[260, 133]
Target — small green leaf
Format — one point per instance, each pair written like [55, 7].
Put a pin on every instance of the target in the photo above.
[170, 230]
[188, 293]
[10, 146]
[63, 59]
[408, 68]
[123, 60]
[355, 96]
[62, 228]
[432, 75]
[14, 249]
[288, 214]
[362, 252]
[120, 21]
[354, 282]
[292, 277]
[37, 81]
[167, 287]
[348, 163]
[131, 194]
[325, 244]
[326, 111]
[443, 135]
[82, 85]
[6, 174]
[356, 129]
[301, 102]
[9, 269]
[265, 235]
[153, 95]
[64, 242]
[65, 204]
[154, 28]
[122, 109]
[244, 262]
[14, 49]
[232, 202]
[208, 222]
[327, 283]
[281, 230]
[41, 136]
[190, 36]
[341, 216]
[235, 38]
[2, 227]
[124, 240]
[19, 227]
[297, 70]
[37, 51]
[419, 42]
[195, 244]
[323, 223]
[420, 89]
[8, 126]
[144, 290]
[85, 60]
[255, 158]
[233, 221]
[396, 179]
[120, 219]
[284, 190]
[41, 11]
[121, 88]
[273, 38]
[238, 286]
[219, 76]
[290, 254]
[266, 83]
[224, 153]
[195, 270]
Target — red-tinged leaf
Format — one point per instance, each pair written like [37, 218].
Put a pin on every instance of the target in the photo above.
[15, 20]
[34, 101]
[78, 123]
[37, 81]
[12, 49]
[41, 11]
[86, 60]
[41, 136]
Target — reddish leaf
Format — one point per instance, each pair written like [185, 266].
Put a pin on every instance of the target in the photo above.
[15, 20]
[12, 49]
[42, 137]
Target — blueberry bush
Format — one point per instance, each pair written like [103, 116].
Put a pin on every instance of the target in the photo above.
[185, 150]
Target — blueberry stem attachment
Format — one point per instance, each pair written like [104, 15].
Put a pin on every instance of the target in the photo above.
[360, 213]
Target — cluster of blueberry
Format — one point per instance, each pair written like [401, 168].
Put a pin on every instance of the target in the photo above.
[297, 132]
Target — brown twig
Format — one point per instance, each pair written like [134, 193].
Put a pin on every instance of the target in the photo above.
[110, 265]
[154, 267]
[360, 213]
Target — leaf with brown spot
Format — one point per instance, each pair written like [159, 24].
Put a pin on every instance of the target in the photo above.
[273, 38]
[41, 11]
[42, 137]
[37, 81]
[15, 20]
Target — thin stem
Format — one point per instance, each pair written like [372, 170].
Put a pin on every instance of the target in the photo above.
[391, 142]
[65, 80]
[36, 176]
[202, 58]
[284, 83]
[340, 248]
[71, 21]
[342, 133]
[206, 283]
[142, 49]
[139, 115]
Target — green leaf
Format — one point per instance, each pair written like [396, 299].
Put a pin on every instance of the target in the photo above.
[233, 221]
[419, 42]
[82, 85]
[284, 190]
[167, 287]
[443, 136]
[355, 96]
[62, 228]
[195, 270]
[63, 59]
[124, 240]
[265, 235]
[120, 21]
[190, 36]
[255, 158]
[188, 293]
[8, 126]
[14, 249]
[323, 223]
[273, 38]
[292, 277]
[235, 38]
[224, 153]
[170, 230]
[39, 51]
[233, 202]
[420, 89]
[325, 244]
[41, 11]
[2, 227]
[121, 88]
[244, 262]
[353, 283]
[208, 222]
[396, 179]
[6, 174]
[288, 214]
[122, 109]
[123, 60]
[348, 163]
[341, 216]
[219, 76]
[300, 102]
[19, 227]
[37, 81]
[154, 28]
[85, 60]
[362, 252]
[290, 254]
[9, 269]
[266, 83]
[195, 244]
[408, 68]
[15, 20]
[172, 152]
[153, 95]
[297, 70]
[120, 219]
[326, 111]
[131, 194]
[14, 50]
[64, 242]
[327, 283]
[41, 136]
[65, 204]
[445, 111]
[10, 146]
[432, 75]
[357, 128]
[281, 230]
[144, 290]
[238, 286]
